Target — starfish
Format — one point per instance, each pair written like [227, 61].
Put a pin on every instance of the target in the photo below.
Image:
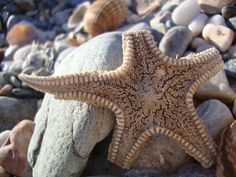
[150, 93]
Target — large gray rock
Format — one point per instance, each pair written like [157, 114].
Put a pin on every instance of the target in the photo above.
[14, 110]
[66, 131]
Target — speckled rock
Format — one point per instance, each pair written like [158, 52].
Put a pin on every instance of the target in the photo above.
[66, 131]
[14, 110]
[175, 41]
[217, 88]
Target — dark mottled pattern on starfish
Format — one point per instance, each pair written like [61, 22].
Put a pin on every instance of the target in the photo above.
[150, 94]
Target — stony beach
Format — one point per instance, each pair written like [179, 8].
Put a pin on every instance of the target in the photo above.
[43, 136]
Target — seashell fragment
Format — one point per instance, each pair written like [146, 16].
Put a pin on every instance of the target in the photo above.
[226, 157]
[104, 15]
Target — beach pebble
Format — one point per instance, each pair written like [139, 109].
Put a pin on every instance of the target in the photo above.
[13, 154]
[203, 47]
[215, 115]
[185, 12]
[213, 6]
[217, 20]
[26, 93]
[132, 17]
[159, 27]
[232, 23]
[220, 36]
[197, 42]
[13, 110]
[23, 33]
[228, 11]
[217, 88]
[15, 81]
[3, 136]
[9, 52]
[198, 24]
[21, 53]
[6, 90]
[232, 50]
[12, 20]
[175, 41]
[230, 68]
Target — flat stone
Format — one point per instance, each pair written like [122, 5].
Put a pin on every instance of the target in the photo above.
[198, 24]
[175, 41]
[213, 6]
[14, 110]
[215, 115]
[217, 88]
[219, 36]
[186, 12]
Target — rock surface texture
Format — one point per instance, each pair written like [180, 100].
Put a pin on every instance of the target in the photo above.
[66, 131]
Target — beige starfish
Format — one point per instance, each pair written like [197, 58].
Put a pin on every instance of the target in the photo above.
[150, 94]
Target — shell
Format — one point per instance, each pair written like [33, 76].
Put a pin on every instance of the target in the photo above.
[226, 157]
[105, 15]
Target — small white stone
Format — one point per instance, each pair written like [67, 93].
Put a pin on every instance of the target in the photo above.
[220, 36]
[198, 24]
[186, 12]
[217, 20]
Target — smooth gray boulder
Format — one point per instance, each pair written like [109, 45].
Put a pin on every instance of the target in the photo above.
[66, 131]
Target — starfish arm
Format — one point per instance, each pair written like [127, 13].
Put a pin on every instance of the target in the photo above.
[92, 87]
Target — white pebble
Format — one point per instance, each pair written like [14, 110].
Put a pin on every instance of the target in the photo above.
[198, 24]
[186, 12]
[217, 20]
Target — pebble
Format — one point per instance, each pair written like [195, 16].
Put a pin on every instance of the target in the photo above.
[215, 115]
[4, 136]
[198, 24]
[21, 54]
[25, 5]
[213, 6]
[217, 88]
[23, 33]
[7, 76]
[166, 15]
[77, 16]
[2, 39]
[175, 41]
[12, 20]
[228, 11]
[226, 56]
[230, 68]
[232, 50]
[132, 18]
[185, 12]
[15, 81]
[6, 90]
[197, 42]
[159, 27]
[220, 36]
[60, 17]
[217, 20]
[26, 93]
[203, 47]
[232, 23]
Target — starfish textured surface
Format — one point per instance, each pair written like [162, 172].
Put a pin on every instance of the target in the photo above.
[151, 94]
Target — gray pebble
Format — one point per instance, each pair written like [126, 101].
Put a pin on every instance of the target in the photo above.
[15, 81]
[232, 23]
[26, 93]
[228, 11]
[7, 76]
[12, 20]
[175, 41]
[230, 68]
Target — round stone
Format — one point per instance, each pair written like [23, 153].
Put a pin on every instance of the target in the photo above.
[230, 68]
[197, 42]
[198, 24]
[185, 12]
[219, 36]
[228, 11]
[175, 41]
[217, 20]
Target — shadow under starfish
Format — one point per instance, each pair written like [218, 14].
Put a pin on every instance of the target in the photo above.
[150, 93]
